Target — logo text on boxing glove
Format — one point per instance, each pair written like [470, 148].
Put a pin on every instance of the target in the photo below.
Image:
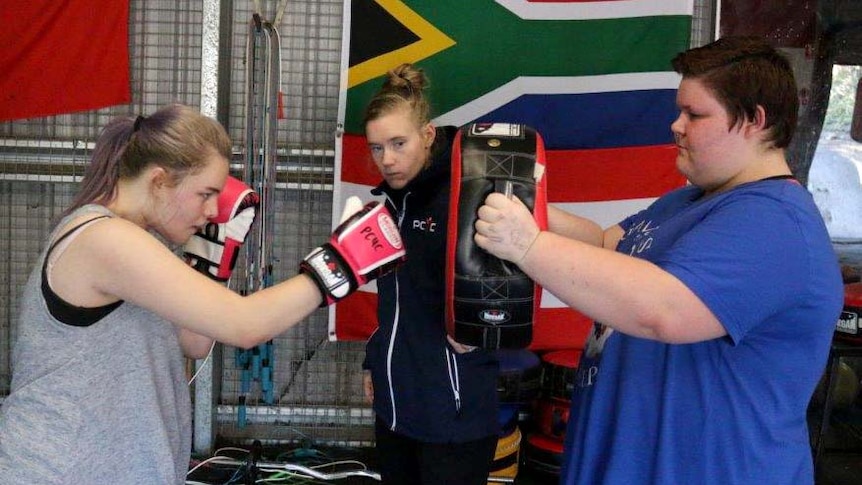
[371, 237]
[389, 230]
[329, 271]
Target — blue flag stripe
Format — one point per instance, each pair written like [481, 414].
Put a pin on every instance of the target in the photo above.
[599, 120]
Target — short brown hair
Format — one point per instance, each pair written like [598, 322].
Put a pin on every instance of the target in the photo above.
[744, 72]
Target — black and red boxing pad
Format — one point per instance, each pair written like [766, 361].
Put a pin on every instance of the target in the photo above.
[490, 302]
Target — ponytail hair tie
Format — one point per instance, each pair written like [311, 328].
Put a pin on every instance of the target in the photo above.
[137, 126]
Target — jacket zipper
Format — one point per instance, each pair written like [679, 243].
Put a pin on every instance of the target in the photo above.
[454, 381]
[395, 322]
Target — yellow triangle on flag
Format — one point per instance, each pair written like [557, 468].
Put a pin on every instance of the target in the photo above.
[431, 41]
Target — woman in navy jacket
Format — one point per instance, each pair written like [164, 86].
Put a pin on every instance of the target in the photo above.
[435, 400]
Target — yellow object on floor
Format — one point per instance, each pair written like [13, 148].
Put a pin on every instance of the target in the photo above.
[505, 466]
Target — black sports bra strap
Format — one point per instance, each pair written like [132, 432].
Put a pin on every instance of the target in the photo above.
[60, 309]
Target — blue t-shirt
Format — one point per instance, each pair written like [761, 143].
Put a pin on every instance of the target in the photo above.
[727, 411]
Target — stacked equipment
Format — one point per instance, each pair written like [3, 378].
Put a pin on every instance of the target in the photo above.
[849, 327]
[517, 386]
[544, 446]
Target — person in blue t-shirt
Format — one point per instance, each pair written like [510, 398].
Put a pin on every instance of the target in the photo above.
[714, 307]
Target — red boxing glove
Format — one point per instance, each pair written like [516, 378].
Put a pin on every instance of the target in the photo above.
[365, 246]
[213, 251]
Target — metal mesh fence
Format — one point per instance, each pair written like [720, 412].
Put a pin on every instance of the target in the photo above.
[317, 382]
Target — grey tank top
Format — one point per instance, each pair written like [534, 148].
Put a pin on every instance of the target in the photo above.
[102, 404]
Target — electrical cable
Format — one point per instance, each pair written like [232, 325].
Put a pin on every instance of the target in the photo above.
[209, 354]
[251, 464]
[251, 468]
[204, 363]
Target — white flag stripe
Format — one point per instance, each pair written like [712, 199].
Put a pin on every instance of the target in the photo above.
[556, 85]
[606, 213]
[548, 299]
[597, 10]
[349, 189]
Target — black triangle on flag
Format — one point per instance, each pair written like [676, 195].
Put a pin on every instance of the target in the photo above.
[374, 32]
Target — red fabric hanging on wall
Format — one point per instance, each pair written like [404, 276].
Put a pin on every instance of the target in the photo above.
[62, 56]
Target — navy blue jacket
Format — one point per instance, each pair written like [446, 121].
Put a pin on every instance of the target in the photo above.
[423, 389]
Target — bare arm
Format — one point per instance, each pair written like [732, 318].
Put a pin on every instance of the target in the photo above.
[116, 259]
[368, 386]
[612, 236]
[195, 345]
[582, 229]
[574, 227]
[629, 294]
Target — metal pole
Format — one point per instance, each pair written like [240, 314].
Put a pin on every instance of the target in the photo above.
[206, 383]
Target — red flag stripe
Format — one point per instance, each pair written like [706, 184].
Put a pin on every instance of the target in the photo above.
[612, 173]
[355, 317]
[356, 164]
[573, 175]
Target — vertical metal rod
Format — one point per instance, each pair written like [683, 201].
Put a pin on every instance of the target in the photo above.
[205, 387]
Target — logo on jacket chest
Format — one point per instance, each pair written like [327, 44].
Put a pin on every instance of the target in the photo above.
[427, 224]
